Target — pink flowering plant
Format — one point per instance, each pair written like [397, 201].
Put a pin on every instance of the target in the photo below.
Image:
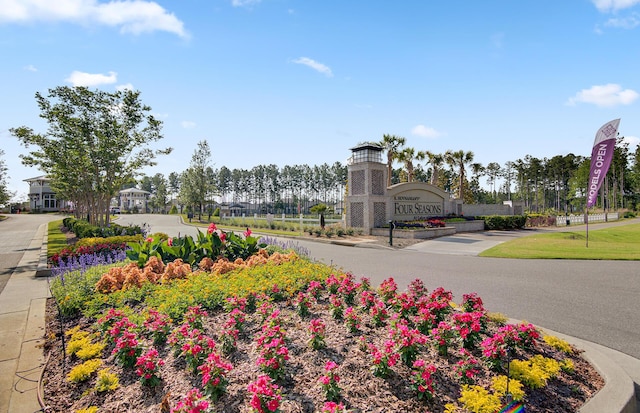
[157, 326]
[387, 290]
[405, 305]
[303, 304]
[348, 289]
[213, 373]
[440, 303]
[379, 313]
[472, 302]
[273, 352]
[424, 320]
[127, 348]
[314, 289]
[382, 360]
[192, 402]
[333, 284]
[409, 341]
[367, 300]
[467, 368]
[106, 322]
[468, 326]
[336, 306]
[194, 347]
[265, 395]
[442, 335]
[195, 315]
[148, 367]
[330, 382]
[333, 407]
[352, 319]
[422, 379]
[318, 330]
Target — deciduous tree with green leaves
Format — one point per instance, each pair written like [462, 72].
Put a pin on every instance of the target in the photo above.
[96, 141]
[197, 182]
[5, 195]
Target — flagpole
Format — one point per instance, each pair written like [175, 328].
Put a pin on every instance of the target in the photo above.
[586, 218]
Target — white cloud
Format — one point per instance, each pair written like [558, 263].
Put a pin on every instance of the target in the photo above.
[629, 22]
[605, 95]
[126, 86]
[131, 16]
[187, 124]
[613, 5]
[633, 141]
[244, 3]
[30, 68]
[91, 79]
[314, 65]
[425, 132]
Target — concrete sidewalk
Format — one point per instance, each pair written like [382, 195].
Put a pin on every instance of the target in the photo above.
[22, 329]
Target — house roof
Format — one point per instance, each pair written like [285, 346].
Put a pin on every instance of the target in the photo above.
[37, 178]
[134, 191]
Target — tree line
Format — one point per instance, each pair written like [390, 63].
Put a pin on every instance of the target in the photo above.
[97, 143]
[549, 184]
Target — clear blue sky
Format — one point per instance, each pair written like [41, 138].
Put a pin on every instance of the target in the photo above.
[300, 82]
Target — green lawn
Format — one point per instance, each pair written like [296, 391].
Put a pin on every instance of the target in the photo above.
[56, 240]
[616, 243]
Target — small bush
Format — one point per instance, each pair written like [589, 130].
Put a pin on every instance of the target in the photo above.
[106, 381]
[83, 371]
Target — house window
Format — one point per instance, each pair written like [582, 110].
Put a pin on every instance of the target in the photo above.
[49, 201]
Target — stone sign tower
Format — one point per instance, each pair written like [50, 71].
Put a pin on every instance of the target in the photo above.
[367, 187]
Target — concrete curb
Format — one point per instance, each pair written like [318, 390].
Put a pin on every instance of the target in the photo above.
[618, 395]
[43, 269]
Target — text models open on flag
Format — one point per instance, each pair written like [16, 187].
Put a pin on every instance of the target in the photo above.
[601, 156]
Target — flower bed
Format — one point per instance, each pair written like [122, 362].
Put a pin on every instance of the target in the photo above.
[297, 337]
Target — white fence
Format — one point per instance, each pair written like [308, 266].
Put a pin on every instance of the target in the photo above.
[301, 220]
[561, 220]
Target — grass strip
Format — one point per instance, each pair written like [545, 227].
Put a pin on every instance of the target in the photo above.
[616, 243]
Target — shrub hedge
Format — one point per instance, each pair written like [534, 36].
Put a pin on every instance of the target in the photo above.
[84, 229]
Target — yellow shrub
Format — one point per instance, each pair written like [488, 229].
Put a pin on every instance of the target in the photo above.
[92, 409]
[567, 366]
[498, 318]
[107, 381]
[83, 371]
[499, 386]
[536, 371]
[558, 344]
[90, 351]
[80, 344]
[477, 399]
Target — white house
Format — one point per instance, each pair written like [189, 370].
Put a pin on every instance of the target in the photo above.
[131, 198]
[42, 197]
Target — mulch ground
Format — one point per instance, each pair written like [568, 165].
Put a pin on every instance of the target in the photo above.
[361, 391]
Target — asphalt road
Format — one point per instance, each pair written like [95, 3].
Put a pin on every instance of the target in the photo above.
[593, 300]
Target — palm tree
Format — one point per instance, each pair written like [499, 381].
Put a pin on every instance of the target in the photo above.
[459, 159]
[436, 160]
[406, 156]
[392, 144]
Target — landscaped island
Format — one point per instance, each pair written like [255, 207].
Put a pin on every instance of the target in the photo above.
[228, 324]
